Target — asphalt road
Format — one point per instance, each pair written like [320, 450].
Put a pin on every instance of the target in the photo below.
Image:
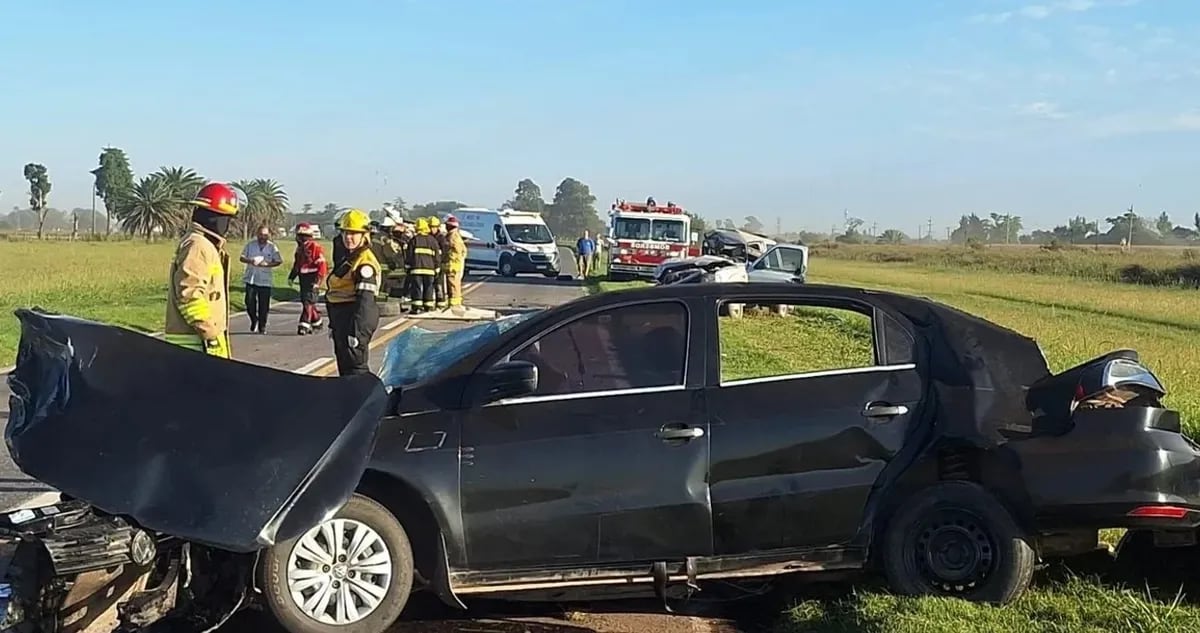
[280, 347]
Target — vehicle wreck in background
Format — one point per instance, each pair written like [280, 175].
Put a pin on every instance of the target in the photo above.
[761, 259]
[950, 461]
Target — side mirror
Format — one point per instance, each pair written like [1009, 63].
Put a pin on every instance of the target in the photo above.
[512, 379]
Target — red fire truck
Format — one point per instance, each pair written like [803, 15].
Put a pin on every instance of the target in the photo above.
[642, 236]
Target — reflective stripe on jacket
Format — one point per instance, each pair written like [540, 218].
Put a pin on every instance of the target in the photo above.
[358, 272]
[198, 299]
[423, 255]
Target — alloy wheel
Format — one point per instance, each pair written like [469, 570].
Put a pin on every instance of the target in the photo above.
[339, 572]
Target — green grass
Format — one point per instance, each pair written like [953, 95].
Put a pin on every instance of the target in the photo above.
[806, 340]
[121, 283]
[1153, 266]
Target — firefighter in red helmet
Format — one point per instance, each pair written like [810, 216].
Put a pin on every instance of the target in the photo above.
[311, 269]
[198, 300]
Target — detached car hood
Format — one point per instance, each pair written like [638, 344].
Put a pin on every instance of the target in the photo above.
[218, 452]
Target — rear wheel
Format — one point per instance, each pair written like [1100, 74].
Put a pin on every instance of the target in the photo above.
[955, 539]
[351, 574]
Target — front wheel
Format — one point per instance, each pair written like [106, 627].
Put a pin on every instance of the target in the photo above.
[506, 267]
[351, 574]
[955, 539]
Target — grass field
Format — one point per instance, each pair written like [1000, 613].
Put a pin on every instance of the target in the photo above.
[1074, 317]
[122, 283]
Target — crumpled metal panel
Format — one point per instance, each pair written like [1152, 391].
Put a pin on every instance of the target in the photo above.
[218, 452]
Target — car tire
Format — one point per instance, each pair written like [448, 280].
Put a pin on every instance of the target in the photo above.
[955, 539]
[392, 595]
[506, 267]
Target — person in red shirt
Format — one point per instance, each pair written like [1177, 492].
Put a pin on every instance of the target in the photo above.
[311, 268]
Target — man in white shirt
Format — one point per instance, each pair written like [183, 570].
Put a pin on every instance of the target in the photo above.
[259, 256]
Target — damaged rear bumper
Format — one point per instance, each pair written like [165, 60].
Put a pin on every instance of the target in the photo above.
[1115, 468]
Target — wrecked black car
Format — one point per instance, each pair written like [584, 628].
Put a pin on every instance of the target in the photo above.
[599, 448]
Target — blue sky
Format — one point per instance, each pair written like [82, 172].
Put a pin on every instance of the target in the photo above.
[895, 111]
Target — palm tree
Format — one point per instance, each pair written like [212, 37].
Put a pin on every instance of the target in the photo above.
[266, 202]
[151, 203]
[183, 184]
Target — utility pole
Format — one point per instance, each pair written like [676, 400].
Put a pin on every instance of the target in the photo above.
[1129, 221]
[929, 231]
[778, 226]
[874, 227]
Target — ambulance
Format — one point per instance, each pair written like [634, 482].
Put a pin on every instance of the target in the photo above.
[508, 242]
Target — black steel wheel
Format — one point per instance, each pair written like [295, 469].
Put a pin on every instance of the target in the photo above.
[955, 539]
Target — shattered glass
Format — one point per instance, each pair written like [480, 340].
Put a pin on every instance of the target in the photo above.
[417, 353]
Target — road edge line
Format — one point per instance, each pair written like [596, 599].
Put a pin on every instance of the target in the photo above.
[314, 365]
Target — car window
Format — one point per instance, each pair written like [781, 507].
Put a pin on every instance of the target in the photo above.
[498, 233]
[770, 340]
[786, 259]
[629, 347]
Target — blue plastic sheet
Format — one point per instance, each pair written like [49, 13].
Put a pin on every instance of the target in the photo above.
[417, 353]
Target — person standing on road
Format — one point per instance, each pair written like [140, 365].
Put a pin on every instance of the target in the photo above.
[456, 263]
[310, 267]
[350, 296]
[423, 257]
[260, 257]
[585, 248]
[198, 300]
[439, 279]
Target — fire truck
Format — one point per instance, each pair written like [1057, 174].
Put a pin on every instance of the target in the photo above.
[642, 236]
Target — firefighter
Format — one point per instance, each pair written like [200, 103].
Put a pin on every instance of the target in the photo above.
[423, 257]
[456, 263]
[439, 279]
[339, 246]
[398, 265]
[310, 267]
[350, 293]
[198, 301]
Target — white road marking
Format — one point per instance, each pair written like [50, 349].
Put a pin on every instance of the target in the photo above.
[395, 324]
[43, 499]
[313, 366]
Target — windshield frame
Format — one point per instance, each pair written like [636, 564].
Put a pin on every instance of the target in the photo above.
[514, 236]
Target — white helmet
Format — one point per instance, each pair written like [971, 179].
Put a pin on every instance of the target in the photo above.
[388, 221]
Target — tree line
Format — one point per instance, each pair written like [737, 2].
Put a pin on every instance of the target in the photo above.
[157, 203]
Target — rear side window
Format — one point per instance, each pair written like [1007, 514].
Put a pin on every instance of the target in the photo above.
[773, 340]
[629, 347]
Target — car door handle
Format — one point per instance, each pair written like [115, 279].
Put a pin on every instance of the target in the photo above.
[884, 410]
[685, 433]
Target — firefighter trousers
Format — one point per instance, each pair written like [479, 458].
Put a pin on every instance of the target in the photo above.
[422, 297]
[350, 360]
[439, 288]
[454, 287]
[308, 299]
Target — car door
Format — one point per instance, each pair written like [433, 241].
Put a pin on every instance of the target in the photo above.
[809, 398]
[607, 460]
[776, 265]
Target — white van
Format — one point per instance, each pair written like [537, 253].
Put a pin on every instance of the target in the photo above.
[508, 242]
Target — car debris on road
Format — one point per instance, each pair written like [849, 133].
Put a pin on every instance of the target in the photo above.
[570, 451]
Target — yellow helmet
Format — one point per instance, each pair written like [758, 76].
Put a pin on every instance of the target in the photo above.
[433, 222]
[422, 225]
[355, 221]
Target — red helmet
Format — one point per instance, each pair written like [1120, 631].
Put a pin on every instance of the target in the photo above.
[451, 220]
[218, 197]
[304, 228]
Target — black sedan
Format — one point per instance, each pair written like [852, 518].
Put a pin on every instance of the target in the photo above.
[655, 437]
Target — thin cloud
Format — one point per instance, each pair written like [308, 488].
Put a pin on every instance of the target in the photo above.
[1046, 10]
[1042, 110]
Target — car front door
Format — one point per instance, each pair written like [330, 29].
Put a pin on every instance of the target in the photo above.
[606, 462]
[809, 399]
[778, 264]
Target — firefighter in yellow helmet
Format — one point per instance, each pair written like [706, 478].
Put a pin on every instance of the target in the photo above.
[350, 293]
[438, 230]
[424, 254]
[198, 300]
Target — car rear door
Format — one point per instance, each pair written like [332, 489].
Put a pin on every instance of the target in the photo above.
[607, 461]
[809, 398]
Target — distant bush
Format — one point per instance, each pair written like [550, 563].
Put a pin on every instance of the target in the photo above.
[1150, 266]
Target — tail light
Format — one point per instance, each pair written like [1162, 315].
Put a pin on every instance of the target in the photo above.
[1158, 512]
